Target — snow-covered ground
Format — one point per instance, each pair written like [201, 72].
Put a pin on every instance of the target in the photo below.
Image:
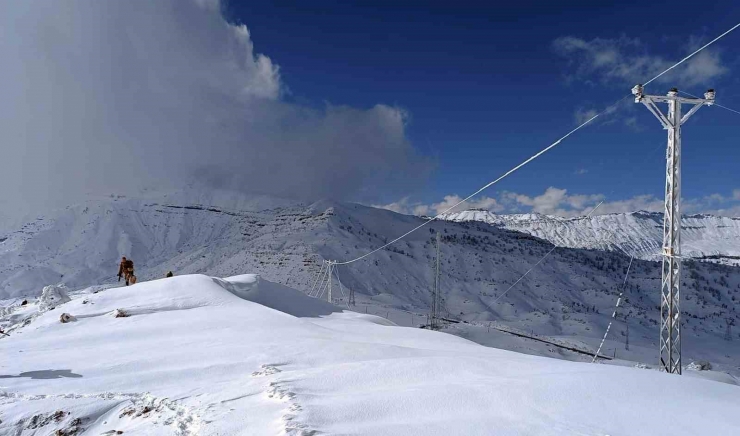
[703, 237]
[568, 297]
[199, 355]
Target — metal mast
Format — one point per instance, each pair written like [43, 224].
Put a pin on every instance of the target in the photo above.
[434, 322]
[627, 339]
[331, 269]
[670, 299]
[728, 332]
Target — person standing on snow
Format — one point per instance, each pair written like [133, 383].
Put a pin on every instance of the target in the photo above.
[121, 268]
[126, 269]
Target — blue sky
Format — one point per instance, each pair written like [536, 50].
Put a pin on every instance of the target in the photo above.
[486, 84]
[406, 104]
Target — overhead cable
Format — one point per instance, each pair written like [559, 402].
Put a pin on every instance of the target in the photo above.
[694, 53]
[614, 314]
[535, 156]
[713, 104]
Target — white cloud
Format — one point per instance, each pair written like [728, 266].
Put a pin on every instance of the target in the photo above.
[582, 115]
[640, 202]
[732, 211]
[715, 198]
[631, 123]
[714, 204]
[417, 208]
[627, 61]
[112, 96]
[557, 201]
[580, 171]
[486, 203]
[401, 206]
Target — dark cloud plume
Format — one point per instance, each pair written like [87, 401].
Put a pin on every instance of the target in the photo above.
[100, 97]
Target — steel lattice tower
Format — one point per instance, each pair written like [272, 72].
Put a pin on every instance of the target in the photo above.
[728, 332]
[627, 339]
[670, 297]
[330, 266]
[434, 321]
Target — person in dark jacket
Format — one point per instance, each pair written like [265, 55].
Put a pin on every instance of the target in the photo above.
[126, 269]
[121, 268]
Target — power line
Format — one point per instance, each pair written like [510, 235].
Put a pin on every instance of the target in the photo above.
[540, 153]
[713, 104]
[336, 274]
[537, 264]
[726, 108]
[506, 174]
[321, 280]
[614, 314]
[694, 53]
[318, 276]
[624, 180]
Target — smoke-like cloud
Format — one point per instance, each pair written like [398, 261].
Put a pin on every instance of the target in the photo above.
[114, 96]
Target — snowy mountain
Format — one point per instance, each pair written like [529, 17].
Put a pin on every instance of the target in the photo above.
[196, 355]
[183, 231]
[567, 298]
[703, 237]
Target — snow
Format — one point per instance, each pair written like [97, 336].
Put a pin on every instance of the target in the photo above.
[567, 299]
[703, 237]
[52, 296]
[208, 356]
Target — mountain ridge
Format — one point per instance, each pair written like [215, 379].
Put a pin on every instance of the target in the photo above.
[568, 295]
[704, 236]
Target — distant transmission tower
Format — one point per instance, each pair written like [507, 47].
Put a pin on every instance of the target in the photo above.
[331, 270]
[670, 299]
[434, 318]
[627, 339]
[728, 332]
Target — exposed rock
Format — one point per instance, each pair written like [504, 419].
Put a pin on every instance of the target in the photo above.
[65, 318]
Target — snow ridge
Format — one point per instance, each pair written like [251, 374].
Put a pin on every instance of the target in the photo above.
[703, 237]
[225, 364]
[567, 296]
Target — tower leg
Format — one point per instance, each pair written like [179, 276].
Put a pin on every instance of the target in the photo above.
[331, 270]
[670, 312]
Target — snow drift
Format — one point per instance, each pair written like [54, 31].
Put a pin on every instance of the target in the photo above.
[196, 356]
[52, 296]
[568, 296]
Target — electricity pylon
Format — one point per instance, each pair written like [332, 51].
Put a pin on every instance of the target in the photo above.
[627, 339]
[434, 319]
[728, 332]
[670, 298]
[330, 266]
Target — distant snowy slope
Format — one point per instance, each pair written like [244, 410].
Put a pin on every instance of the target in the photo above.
[569, 295]
[183, 231]
[703, 237]
[196, 355]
